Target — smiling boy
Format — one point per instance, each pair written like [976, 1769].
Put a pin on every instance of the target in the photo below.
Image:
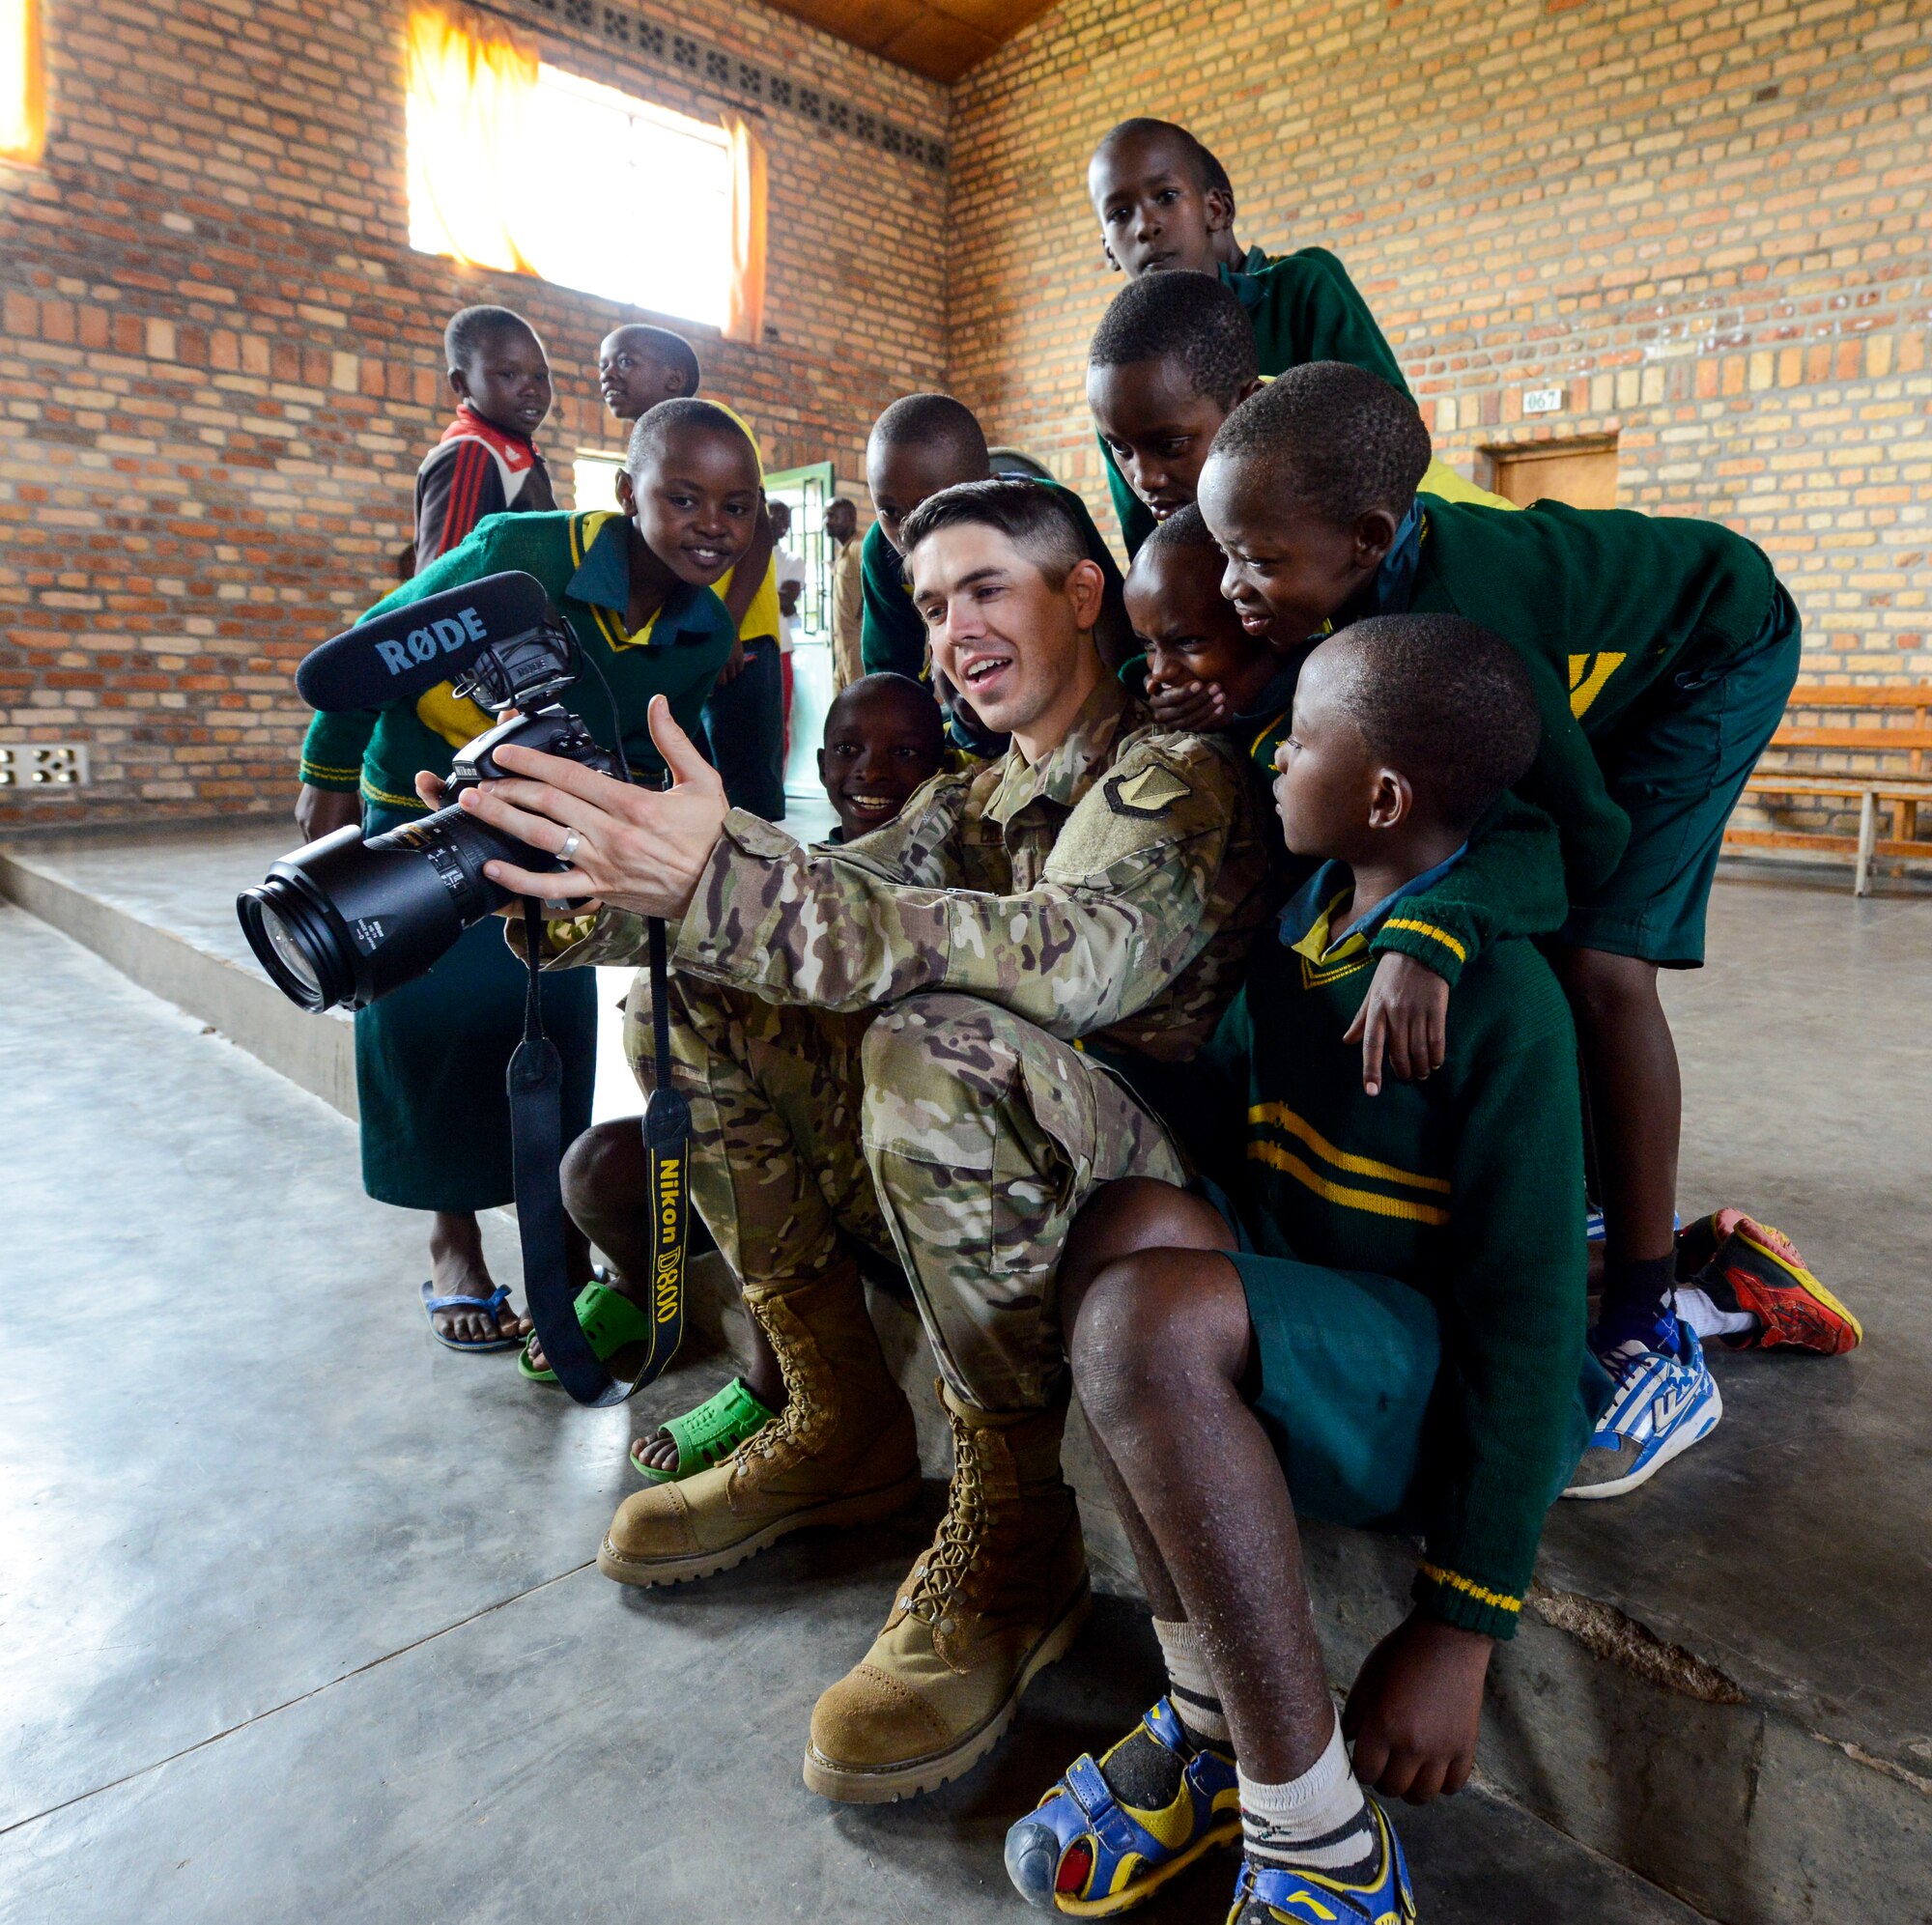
[882, 739]
[636, 588]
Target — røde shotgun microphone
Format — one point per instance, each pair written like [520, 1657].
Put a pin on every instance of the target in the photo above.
[406, 652]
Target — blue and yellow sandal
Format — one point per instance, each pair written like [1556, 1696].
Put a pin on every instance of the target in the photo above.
[1086, 1854]
[1269, 1894]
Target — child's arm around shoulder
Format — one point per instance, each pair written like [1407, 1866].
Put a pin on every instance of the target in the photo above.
[1509, 884]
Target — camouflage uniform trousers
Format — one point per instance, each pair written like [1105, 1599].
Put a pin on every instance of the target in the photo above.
[942, 1128]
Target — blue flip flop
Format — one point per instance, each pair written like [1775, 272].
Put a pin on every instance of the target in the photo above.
[491, 1304]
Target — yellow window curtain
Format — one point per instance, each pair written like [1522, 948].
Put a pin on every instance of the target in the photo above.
[471, 83]
[23, 86]
[745, 306]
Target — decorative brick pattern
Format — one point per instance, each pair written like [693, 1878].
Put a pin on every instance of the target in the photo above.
[220, 361]
[1708, 223]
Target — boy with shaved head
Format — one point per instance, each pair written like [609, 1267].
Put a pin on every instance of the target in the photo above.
[1370, 1312]
[1166, 206]
[920, 444]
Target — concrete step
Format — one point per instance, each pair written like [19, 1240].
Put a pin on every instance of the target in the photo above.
[1723, 1681]
[300, 1621]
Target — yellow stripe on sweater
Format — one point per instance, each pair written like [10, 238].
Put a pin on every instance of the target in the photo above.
[1469, 1587]
[1282, 1117]
[1441, 936]
[1371, 1201]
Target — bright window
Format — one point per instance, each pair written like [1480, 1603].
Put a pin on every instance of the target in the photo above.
[516, 164]
[626, 200]
[23, 83]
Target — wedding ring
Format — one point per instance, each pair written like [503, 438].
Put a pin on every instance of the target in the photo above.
[568, 852]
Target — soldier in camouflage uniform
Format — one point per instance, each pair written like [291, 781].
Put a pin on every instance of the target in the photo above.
[882, 1044]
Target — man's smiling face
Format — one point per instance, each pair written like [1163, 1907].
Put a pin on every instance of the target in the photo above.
[1008, 639]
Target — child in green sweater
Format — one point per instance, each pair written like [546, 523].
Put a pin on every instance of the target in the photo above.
[1662, 651]
[1375, 1308]
[1166, 207]
[1200, 670]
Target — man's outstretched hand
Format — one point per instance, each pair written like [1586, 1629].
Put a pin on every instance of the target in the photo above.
[1416, 1704]
[639, 849]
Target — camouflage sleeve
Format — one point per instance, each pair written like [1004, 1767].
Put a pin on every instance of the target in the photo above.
[1120, 910]
[919, 845]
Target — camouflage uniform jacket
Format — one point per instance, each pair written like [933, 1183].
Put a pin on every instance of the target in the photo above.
[1109, 891]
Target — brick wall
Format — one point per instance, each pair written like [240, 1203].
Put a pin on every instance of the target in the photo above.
[1708, 224]
[221, 362]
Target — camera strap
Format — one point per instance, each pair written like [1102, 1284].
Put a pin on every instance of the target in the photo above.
[536, 1130]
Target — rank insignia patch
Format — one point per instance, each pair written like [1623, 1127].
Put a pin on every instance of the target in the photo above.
[1151, 792]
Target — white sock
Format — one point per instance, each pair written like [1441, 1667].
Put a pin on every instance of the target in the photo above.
[1319, 1820]
[1190, 1685]
[1699, 1310]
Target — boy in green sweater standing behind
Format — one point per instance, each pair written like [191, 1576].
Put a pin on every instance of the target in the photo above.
[1165, 206]
[1663, 649]
[1376, 1311]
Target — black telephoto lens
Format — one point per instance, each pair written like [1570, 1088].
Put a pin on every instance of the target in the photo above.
[346, 921]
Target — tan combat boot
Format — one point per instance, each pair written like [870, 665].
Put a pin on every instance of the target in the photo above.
[842, 1451]
[1002, 1594]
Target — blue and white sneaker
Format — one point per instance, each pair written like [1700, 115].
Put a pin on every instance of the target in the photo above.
[1593, 1222]
[1271, 1894]
[1666, 1400]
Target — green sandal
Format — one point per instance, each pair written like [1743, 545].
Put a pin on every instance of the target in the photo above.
[706, 1435]
[619, 1332]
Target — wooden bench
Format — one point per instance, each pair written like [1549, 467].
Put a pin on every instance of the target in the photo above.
[1876, 756]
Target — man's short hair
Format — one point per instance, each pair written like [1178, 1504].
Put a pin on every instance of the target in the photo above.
[471, 329]
[1185, 528]
[1446, 703]
[655, 426]
[1190, 319]
[1333, 437]
[1033, 515]
[923, 420]
[1207, 170]
[673, 349]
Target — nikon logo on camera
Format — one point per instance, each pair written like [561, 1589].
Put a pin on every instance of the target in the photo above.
[422, 644]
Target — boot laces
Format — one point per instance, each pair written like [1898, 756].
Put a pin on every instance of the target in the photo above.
[938, 1575]
[763, 1443]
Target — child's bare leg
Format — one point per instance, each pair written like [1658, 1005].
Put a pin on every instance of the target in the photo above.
[457, 1268]
[607, 1191]
[1160, 1347]
[1636, 1109]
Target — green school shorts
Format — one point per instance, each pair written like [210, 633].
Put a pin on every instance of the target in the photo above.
[1676, 765]
[1349, 1368]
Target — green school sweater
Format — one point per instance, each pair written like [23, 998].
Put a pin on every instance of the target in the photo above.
[1509, 884]
[1465, 1186]
[893, 634]
[583, 562]
[1304, 308]
[1609, 601]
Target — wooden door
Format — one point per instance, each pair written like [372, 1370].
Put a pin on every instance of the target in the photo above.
[1581, 472]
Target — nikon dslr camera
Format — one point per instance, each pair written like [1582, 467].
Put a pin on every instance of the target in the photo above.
[345, 921]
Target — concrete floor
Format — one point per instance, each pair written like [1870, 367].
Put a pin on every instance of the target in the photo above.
[265, 1533]
[298, 1620]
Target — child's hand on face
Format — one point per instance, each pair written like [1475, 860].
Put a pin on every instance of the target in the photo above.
[1200, 706]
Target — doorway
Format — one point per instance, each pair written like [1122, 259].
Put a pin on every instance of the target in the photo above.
[1582, 471]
